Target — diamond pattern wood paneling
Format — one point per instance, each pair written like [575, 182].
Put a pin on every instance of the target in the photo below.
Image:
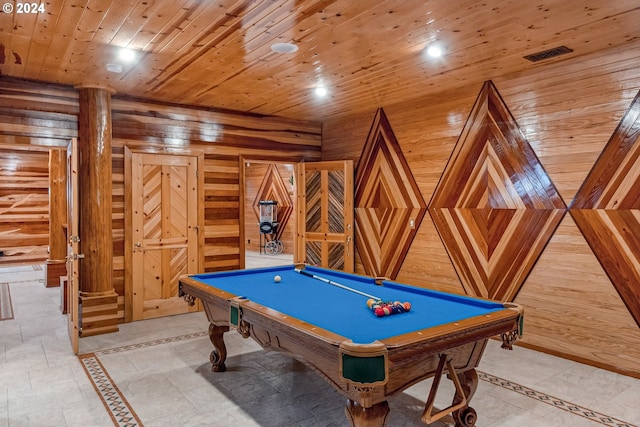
[495, 208]
[336, 256]
[607, 209]
[152, 289]
[387, 198]
[313, 204]
[178, 225]
[336, 201]
[152, 190]
[313, 252]
[274, 188]
[178, 262]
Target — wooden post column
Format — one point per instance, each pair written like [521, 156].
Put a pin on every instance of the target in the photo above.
[98, 298]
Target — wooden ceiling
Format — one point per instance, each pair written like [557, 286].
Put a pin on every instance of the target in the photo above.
[369, 54]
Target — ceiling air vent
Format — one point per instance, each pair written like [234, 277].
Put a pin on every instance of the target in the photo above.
[547, 54]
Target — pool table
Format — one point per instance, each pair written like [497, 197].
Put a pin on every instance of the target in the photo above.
[324, 322]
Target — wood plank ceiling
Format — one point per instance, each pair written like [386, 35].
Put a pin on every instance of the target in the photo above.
[217, 53]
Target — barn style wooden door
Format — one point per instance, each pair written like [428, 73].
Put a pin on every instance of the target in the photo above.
[73, 269]
[324, 198]
[164, 231]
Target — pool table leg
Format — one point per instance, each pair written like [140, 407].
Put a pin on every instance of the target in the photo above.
[466, 416]
[375, 416]
[219, 353]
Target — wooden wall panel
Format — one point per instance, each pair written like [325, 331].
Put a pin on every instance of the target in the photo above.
[606, 209]
[388, 205]
[222, 213]
[117, 220]
[567, 111]
[176, 125]
[24, 206]
[57, 205]
[495, 207]
[573, 310]
[33, 118]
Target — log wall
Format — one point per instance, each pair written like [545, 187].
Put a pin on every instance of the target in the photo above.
[226, 139]
[24, 206]
[35, 118]
[567, 111]
[32, 120]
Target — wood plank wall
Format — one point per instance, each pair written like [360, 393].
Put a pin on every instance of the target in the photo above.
[567, 111]
[35, 117]
[24, 206]
[32, 119]
[225, 139]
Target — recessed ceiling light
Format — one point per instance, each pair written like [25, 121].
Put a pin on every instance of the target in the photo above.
[435, 51]
[114, 68]
[284, 47]
[127, 54]
[321, 91]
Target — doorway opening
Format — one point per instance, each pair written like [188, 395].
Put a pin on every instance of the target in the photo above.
[273, 182]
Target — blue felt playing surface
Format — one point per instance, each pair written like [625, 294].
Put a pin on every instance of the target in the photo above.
[344, 312]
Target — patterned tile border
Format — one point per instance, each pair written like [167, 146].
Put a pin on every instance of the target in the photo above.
[114, 401]
[554, 401]
[151, 343]
[117, 406]
[123, 415]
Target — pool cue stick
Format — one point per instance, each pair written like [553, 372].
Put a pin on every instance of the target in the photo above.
[331, 282]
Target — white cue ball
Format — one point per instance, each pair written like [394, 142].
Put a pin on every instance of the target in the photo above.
[277, 279]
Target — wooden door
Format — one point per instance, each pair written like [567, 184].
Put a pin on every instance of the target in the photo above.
[164, 231]
[73, 257]
[324, 198]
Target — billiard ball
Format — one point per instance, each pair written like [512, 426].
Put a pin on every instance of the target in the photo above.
[277, 279]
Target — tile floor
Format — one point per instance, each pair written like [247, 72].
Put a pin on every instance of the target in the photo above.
[156, 373]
